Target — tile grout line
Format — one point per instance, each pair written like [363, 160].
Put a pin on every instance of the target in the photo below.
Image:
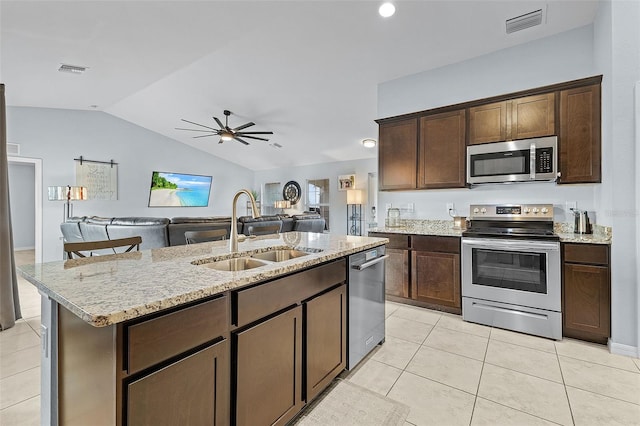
[484, 359]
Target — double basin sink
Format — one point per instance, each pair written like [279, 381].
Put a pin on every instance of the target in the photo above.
[255, 260]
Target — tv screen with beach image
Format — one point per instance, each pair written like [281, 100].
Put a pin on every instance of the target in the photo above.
[179, 190]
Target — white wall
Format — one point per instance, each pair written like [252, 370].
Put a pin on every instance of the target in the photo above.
[338, 199]
[22, 199]
[58, 136]
[617, 56]
[563, 57]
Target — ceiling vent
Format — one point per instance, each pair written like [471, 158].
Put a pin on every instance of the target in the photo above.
[275, 145]
[527, 20]
[73, 69]
[13, 149]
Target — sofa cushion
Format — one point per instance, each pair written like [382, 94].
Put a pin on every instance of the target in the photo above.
[200, 219]
[139, 221]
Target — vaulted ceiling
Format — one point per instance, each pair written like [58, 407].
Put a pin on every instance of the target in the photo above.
[306, 70]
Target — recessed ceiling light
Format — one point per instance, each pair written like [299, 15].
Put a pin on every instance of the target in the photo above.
[386, 10]
[369, 143]
[73, 69]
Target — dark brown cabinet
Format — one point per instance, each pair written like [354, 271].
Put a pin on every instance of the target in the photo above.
[488, 123]
[269, 370]
[586, 292]
[398, 154]
[159, 397]
[435, 271]
[442, 150]
[519, 118]
[326, 337]
[579, 139]
[396, 270]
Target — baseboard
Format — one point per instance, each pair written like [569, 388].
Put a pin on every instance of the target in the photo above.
[626, 350]
[24, 248]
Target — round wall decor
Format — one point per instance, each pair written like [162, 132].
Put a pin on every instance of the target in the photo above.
[292, 191]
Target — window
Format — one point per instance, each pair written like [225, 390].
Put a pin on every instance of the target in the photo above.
[318, 198]
[272, 193]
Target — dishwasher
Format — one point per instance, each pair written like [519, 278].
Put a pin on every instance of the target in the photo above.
[366, 303]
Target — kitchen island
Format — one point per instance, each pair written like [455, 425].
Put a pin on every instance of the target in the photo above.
[162, 336]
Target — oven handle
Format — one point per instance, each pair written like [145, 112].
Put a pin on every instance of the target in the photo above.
[511, 245]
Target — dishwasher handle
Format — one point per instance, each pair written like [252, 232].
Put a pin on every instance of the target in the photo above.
[365, 265]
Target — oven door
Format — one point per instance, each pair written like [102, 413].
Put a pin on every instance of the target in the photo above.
[517, 272]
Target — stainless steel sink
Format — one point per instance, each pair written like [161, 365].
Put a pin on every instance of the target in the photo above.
[279, 255]
[236, 264]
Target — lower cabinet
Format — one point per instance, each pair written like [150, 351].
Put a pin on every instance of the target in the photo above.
[326, 337]
[586, 292]
[159, 397]
[435, 271]
[269, 370]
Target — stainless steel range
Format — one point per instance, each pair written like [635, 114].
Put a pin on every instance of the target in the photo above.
[511, 269]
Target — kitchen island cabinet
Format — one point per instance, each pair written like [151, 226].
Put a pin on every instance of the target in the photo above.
[175, 341]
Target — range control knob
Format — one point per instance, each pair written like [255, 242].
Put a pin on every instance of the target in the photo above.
[527, 210]
[483, 211]
[535, 210]
[476, 210]
[544, 210]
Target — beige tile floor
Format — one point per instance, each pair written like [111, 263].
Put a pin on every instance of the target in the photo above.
[447, 371]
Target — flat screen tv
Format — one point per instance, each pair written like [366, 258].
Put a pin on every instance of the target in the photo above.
[179, 190]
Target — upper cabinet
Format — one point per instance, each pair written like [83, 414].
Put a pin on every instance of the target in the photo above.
[442, 150]
[398, 154]
[580, 135]
[488, 123]
[427, 149]
[520, 118]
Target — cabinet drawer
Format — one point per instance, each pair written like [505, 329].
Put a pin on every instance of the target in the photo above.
[158, 339]
[264, 299]
[432, 243]
[396, 241]
[586, 253]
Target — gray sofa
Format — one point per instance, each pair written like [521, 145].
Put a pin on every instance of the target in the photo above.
[162, 232]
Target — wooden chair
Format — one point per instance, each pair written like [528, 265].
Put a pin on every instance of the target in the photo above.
[89, 246]
[263, 230]
[193, 237]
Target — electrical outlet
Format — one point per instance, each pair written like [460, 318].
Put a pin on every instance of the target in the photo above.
[411, 207]
[451, 209]
[571, 205]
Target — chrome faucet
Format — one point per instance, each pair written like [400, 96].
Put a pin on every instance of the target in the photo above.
[233, 238]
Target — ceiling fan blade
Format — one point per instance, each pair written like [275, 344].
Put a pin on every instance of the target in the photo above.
[219, 123]
[241, 141]
[255, 133]
[201, 125]
[253, 137]
[192, 130]
[205, 136]
[244, 126]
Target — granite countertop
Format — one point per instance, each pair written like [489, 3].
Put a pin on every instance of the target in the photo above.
[601, 234]
[106, 290]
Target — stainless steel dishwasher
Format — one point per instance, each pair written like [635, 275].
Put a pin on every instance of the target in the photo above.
[366, 303]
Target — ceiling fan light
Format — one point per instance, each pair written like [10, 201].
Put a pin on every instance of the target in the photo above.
[226, 136]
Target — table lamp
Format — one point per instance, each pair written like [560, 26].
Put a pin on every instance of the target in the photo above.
[67, 193]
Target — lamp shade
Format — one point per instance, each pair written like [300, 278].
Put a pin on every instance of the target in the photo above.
[355, 196]
[282, 204]
[64, 193]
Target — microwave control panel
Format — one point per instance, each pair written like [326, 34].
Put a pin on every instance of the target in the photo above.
[544, 160]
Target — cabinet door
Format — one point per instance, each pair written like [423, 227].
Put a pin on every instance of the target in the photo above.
[442, 150]
[396, 272]
[269, 370]
[435, 278]
[587, 302]
[488, 123]
[580, 135]
[191, 391]
[326, 337]
[533, 116]
[398, 154]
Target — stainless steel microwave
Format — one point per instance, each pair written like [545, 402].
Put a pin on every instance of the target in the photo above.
[523, 160]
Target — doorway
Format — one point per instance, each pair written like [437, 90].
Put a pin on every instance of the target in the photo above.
[25, 186]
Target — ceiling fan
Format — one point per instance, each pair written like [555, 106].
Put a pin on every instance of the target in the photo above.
[225, 132]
